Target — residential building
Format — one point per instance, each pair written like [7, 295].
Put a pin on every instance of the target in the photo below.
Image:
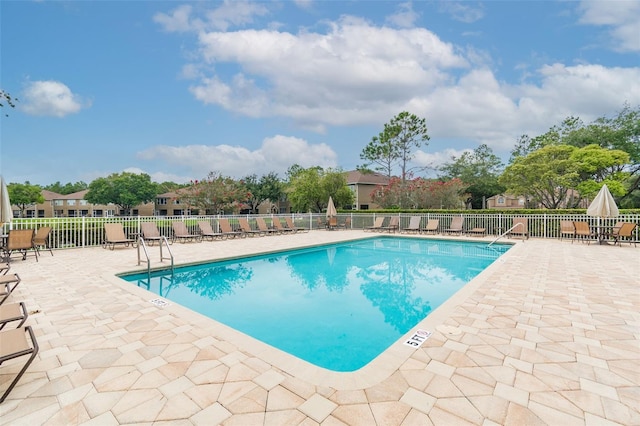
[362, 185]
[74, 205]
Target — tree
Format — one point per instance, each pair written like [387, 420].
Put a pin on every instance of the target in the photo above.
[548, 174]
[479, 170]
[68, 188]
[310, 189]
[125, 190]
[269, 187]
[621, 132]
[420, 193]
[216, 194]
[24, 195]
[395, 145]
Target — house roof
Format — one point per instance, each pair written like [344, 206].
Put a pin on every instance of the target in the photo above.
[373, 178]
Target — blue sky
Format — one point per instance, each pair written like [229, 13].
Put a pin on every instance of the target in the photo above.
[179, 89]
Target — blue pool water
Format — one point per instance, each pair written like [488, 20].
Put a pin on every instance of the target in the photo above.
[337, 306]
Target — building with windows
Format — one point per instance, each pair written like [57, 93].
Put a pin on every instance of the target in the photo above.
[362, 185]
[74, 205]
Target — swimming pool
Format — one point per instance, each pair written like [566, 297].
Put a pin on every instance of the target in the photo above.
[336, 306]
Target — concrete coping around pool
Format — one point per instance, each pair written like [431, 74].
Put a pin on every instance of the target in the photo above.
[380, 368]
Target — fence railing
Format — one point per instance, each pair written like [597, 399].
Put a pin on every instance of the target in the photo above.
[89, 231]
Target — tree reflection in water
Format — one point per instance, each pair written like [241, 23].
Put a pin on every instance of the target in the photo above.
[226, 279]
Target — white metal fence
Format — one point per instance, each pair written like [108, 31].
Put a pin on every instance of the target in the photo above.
[89, 231]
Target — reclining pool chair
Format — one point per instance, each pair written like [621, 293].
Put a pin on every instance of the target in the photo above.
[246, 228]
[13, 312]
[14, 344]
[41, 239]
[150, 232]
[181, 232]
[414, 225]
[21, 240]
[114, 234]
[8, 283]
[457, 225]
[207, 231]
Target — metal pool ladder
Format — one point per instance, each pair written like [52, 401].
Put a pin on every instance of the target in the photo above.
[163, 240]
[506, 232]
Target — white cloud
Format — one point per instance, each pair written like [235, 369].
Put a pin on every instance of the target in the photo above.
[405, 17]
[276, 154]
[229, 13]
[357, 73]
[622, 17]
[433, 160]
[463, 12]
[354, 73]
[50, 98]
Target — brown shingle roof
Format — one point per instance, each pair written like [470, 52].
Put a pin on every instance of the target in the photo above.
[373, 178]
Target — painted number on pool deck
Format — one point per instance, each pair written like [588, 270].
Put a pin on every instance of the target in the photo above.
[418, 338]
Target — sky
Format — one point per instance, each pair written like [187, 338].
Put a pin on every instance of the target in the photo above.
[181, 89]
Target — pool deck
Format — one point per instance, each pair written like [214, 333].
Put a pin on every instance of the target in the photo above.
[547, 335]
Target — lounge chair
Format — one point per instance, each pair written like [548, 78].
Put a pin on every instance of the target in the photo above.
[4, 267]
[393, 225]
[114, 234]
[247, 230]
[227, 231]
[150, 232]
[346, 224]
[207, 231]
[477, 231]
[21, 240]
[377, 224]
[281, 229]
[625, 231]
[8, 283]
[14, 344]
[456, 227]
[13, 312]
[584, 232]
[414, 225]
[520, 227]
[262, 225]
[180, 232]
[567, 229]
[291, 225]
[432, 226]
[321, 223]
[41, 239]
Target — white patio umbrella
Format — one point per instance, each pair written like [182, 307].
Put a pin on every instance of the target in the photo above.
[331, 209]
[6, 213]
[603, 205]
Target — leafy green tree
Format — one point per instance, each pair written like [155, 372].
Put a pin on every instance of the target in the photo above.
[479, 170]
[169, 187]
[310, 189]
[621, 132]
[24, 195]
[395, 145]
[215, 194]
[268, 187]
[68, 188]
[546, 174]
[125, 190]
